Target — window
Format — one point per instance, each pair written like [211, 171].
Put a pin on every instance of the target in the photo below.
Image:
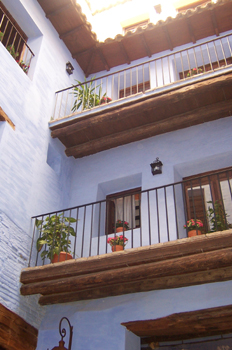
[14, 39]
[184, 5]
[134, 89]
[210, 190]
[124, 206]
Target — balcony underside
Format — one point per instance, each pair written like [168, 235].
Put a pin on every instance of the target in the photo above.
[155, 113]
[184, 262]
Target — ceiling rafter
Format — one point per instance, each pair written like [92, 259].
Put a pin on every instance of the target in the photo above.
[99, 51]
[73, 31]
[93, 54]
[146, 45]
[79, 53]
[123, 50]
[58, 10]
[214, 21]
[190, 28]
[165, 29]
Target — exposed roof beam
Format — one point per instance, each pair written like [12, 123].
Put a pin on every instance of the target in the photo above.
[145, 45]
[190, 28]
[57, 11]
[214, 20]
[73, 31]
[103, 59]
[90, 63]
[165, 29]
[122, 47]
[89, 50]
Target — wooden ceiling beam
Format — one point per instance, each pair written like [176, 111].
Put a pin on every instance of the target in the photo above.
[99, 51]
[123, 50]
[190, 29]
[165, 29]
[214, 21]
[73, 31]
[59, 10]
[145, 45]
[176, 122]
[90, 63]
[89, 50]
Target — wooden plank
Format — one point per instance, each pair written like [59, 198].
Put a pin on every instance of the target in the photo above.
[173, 267]
[71, 32]
[200, 115]
[169, 282]
[184, 325]
[15, 333]
[4, 117]
[58, 10]
[129, 257]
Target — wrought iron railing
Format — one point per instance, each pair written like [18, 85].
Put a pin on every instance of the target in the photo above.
[150, 217]
[14, 42]
[181, 65]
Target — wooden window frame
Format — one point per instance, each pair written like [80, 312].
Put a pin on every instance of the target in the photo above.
[110, 209]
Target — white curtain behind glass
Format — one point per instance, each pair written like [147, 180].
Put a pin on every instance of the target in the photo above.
[129, 210]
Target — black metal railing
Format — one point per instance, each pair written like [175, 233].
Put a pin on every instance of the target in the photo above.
[14, 42]
[179, 66]
[147, 217]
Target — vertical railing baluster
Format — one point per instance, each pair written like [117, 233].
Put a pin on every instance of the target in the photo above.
[75, 240]
[149, 217]
[99, 227]
[166, 209]
[212, 200]
[185, 206]
[33, 235]
[174, 197]
[91, 231]
[207, 47]
[83, 233]
[132, 219]
[157, 213]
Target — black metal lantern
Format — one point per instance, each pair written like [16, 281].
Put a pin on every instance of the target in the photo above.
[69, 68]
[63, 334]
[156, 167]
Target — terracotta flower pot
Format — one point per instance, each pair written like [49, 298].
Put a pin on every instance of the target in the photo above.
[120, 229]
[63, 256]
[116, 248]
[194, 233]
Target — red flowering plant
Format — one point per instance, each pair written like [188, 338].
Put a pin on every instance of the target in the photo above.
[105, 99]
[120, 223]
[23, 65]
[194, 225]
[117, 240]
[194, 71]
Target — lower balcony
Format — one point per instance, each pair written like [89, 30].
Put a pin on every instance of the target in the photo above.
[171, 236]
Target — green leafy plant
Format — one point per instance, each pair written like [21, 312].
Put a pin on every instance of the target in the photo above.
[1, 35]
[11, 50]
[86, 96]
[217, 217]
[54, 234]
[24, 66]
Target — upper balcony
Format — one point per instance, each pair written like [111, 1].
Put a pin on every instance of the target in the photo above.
[169, 92]
[160, 252]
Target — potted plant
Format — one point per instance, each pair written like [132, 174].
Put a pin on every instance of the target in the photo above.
[194, 227]
[105, 99]
[117, 242]
[54, 234]
[1, 35]
[194, 71]
[23, 65]
[11, 50]
[85, 95]
[120, 225]
[217, 217]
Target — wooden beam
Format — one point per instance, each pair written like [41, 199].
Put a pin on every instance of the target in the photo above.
[129, 257]
[214, 21]
[15, 333]
[160, 283]
[165, 29]
[4, 118]
[180, 121]
[79, 53]
[192, 36]
[73, 31]
[148, 51]
[122, 48]
[99, 51]
[184, 325]
[59, 10]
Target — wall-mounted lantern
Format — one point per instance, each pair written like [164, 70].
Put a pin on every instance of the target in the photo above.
[63, 334]
[156, 167]
[69, 68]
